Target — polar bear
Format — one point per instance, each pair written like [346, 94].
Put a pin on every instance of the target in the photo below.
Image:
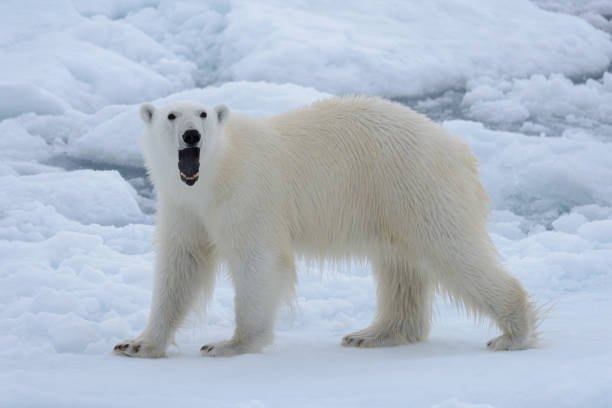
[342, 178]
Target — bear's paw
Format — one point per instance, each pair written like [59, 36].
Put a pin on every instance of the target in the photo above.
[139, 348]
[367, 338]
[226, 349]
[506, 342]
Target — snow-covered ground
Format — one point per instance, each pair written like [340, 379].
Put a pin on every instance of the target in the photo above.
[530, 90]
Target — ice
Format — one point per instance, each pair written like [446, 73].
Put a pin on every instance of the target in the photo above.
[598, 231]
[113, 9]
[553, 102]
[151, 49]
[542, 177]
[569, 222]
[596, 12]
[403, 53]
[85, 196]
[14, 154]
[23, 98]
[529, 90]
[85, 62]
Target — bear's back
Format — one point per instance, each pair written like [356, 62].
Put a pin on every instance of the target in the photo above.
[368, 165]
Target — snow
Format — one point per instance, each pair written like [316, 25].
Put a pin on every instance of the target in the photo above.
[529, 90]
[554, 100]
[598, 231]
[86, 196]
[596, 12]
[153, 48]
[23, 98]
[542, 177]
[53, 47]
[401, 52]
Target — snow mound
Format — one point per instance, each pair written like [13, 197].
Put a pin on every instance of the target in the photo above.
[87, 55]
[19, 147]
[539, 177]
[403, 49]
[87, 196]
[598, 231]
[113, 9]
[16, 99]
[542, 104]
[86, 63]
[55, 292]
[596, 12]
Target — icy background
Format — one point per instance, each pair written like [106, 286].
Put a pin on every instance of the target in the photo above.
[527, 84]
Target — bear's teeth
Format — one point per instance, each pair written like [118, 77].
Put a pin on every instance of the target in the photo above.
[190, 178]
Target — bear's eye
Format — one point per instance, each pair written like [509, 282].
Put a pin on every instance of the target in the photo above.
[171, 116]
[203, 115]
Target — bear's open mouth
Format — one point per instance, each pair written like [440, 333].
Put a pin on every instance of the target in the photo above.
[189, 165]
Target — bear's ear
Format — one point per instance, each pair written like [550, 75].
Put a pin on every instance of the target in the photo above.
[222, 113]
[146, 113]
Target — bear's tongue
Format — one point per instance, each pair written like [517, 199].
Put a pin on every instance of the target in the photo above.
[189, 165]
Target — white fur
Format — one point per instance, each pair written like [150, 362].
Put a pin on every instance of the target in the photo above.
[343, 178]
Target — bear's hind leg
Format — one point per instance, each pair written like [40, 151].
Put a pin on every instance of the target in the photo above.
[404, 307]
[476, 279]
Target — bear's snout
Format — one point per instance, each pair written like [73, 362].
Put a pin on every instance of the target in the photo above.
[191, 137]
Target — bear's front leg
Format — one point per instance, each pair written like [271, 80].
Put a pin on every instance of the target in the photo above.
[262, 279]
[177, 282]
[185, 265]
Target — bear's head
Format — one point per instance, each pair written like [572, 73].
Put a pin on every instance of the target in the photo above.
[183, 132]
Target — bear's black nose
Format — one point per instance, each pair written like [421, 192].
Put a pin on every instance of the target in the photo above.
[191, 136]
